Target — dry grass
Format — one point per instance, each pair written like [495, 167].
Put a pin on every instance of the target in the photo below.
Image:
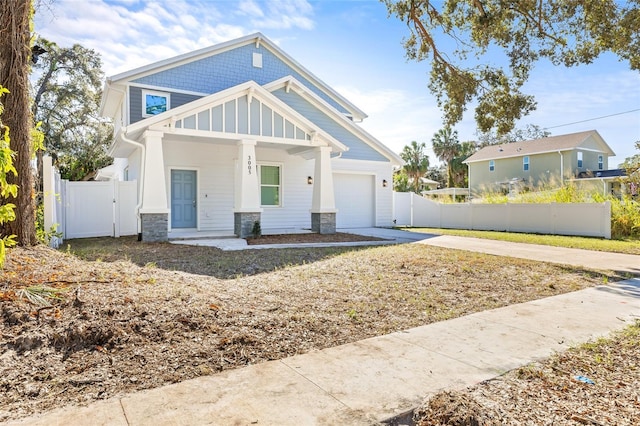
[136, 316]
[597, 383]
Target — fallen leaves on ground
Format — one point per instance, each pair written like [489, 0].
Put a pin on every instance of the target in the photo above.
[134, 316]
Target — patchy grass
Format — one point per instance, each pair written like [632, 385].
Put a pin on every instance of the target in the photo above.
[628, 246]
[134, 316]
[596, 383]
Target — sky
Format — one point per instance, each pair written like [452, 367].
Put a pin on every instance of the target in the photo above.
[355, 48]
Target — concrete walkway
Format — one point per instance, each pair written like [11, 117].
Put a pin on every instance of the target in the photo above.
[372, 380]
[592, 259]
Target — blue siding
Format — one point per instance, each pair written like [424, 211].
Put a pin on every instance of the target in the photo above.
[135, 102]
[358, 149]
[228, 69]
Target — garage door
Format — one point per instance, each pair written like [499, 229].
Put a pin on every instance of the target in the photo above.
[354, 200]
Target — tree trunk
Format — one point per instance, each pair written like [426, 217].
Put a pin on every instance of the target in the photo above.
[15, 53]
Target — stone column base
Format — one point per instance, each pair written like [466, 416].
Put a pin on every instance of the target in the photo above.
[155, 227]
[243, 223]
[323, 223]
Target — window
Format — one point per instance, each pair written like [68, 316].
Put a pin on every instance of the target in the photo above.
[600, 162]
[525, 163]
[270, 185]
[125, 174]
[492, 165]
[579, 159]
[154, 103]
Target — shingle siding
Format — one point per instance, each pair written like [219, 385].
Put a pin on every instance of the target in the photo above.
[135, 102]
[227, 69]
[358, 149]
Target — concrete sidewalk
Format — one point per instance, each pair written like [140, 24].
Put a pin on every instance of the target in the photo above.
[372, 380]
[567, 256]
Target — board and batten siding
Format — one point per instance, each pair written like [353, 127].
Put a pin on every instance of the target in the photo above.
[358, 149]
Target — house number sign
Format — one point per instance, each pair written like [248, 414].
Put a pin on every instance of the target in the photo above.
[249, 164]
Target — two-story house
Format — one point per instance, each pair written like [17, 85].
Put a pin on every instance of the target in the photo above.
[238, 133]
[545, 162]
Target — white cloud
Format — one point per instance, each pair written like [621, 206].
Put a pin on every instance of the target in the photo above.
[286, 14]
[250, 8]
[396, 117]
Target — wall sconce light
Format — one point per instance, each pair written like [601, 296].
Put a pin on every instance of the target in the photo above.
[309, 180]
[384, 183]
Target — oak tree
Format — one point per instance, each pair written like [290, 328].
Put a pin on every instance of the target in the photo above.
[462, 37]
[67, 87]
[15, 55]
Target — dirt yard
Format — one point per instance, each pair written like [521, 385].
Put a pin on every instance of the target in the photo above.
[102, 317]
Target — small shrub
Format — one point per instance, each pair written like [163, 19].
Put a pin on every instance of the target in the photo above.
[625, 218]
[43, 235]
[257, 230]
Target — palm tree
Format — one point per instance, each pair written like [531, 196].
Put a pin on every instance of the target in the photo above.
[416, 162]
[459, 170]
[446, 147]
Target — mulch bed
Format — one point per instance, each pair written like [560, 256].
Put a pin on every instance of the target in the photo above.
[338, 237]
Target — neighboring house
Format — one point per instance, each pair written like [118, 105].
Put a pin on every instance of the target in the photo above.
[240, 132]
[545, 162]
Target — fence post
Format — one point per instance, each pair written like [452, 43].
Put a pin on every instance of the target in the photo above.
[606, 220]
[116, 209]
[411, 194]
[49, 198]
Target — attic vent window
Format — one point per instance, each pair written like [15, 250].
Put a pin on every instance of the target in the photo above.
[257, 60]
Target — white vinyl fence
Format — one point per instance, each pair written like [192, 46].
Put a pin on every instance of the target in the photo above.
[88, 209]
[583, 219]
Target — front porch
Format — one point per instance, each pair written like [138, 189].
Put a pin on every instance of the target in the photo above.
[225, 143]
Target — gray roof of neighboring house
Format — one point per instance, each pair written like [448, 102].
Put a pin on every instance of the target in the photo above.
[538, 146]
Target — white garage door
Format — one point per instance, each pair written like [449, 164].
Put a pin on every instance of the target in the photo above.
[354, 200]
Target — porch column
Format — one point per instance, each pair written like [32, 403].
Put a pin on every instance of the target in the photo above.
[323, 206]
[154, 213]
[247, 191]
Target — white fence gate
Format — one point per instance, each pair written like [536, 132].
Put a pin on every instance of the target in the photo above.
[99, 209]
[584, 219]
[89, 209]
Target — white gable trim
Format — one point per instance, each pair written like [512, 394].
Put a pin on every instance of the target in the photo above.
[167, 90]
[257, 38]
[291, 83]
[167, 121]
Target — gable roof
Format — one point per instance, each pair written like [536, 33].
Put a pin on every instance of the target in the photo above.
[167, 120]
[291, 83]
[112, 96]
[567, 142]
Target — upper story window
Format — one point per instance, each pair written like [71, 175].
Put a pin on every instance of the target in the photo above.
[270, 188]
[600, 162]
[525, 163]
[492, 165]
[154, 103]
[579, 159]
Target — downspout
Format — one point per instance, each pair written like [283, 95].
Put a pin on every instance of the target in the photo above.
[143, 153]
